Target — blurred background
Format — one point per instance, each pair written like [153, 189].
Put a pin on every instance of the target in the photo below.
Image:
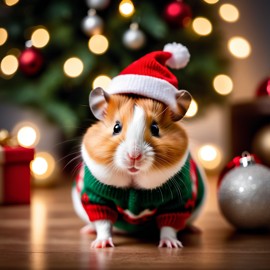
[53, 53]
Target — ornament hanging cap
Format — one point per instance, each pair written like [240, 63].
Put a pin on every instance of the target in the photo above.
[149, 76]
[246, 159]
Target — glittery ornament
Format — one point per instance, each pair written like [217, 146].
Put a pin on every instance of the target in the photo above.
[92, 24]
[134, 38]
[244, 194]
[31, 61]
[98, 4]
[264, 88]
[178, 14]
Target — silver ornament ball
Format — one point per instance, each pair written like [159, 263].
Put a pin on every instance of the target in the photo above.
[134, 38]
[244, 197]
[92, 25]
[98, 4]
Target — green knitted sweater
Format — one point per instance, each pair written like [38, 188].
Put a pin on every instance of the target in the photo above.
[136, 209]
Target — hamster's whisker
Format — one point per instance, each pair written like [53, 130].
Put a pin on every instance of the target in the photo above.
[78, 138]
[174, 182]
[76, 169]
[161, 160]
[75, 158]
[70, 154]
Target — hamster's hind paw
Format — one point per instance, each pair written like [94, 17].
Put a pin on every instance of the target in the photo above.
[102, 243]
[170, 243]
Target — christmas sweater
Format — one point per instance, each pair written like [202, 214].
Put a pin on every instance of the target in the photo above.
[134, 210]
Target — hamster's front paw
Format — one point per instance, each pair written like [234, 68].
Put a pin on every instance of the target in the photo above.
[170, 243]
[168, 238]
[102, 243]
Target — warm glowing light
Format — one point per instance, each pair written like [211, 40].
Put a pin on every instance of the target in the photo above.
[98, 44]
[3, 36]
[229, 13]
[40, 37]
[202, 26]
[11, 2]
[209, 156]
[193, 109]
[43, 165]
[211, 2]
[239, 47]
[38, 223]
[9, 65]
[39, 166]
[73, 67]
[223, 84]
[101, 81]
[126, 8]
[27, 136]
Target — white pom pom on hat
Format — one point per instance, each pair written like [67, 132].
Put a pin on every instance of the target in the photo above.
[180, 55]
[150, 77]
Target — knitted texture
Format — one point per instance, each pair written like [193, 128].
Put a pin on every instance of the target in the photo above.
[136, 209]
[150, 77]
[152, 64]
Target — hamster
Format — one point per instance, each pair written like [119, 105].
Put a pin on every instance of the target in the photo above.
[137, 172]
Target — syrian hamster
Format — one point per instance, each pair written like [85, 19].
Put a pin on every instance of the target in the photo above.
[137, 172]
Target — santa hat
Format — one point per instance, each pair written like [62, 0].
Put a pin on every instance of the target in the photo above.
[150, 77]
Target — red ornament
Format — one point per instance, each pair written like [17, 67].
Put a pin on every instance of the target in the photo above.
[235, 162]
[178, 14]
[31, 61]
[264, 88]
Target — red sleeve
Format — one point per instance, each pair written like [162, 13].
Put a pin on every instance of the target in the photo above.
[174, 220]
[98, 211]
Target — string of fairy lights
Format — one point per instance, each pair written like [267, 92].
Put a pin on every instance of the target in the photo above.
[28, 134]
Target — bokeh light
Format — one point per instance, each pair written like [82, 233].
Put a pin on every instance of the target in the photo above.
[40, 37]
[202, 26]
[43, 165]
[101, 81]
[193, 109]
[223, 84]
[27, 134]
[211, 2]
[11, 2]
[98, 44]
[3, 36]
[210, 156]
[9, 65]
[73, 67]
[229, 13]
[126, 8]
[239, 47]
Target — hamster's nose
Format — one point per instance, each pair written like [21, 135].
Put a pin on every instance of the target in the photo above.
[134, 156]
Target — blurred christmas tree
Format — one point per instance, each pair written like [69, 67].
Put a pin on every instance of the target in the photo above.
[74, 42]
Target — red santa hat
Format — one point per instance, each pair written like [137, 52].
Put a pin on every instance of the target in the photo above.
[150, 77]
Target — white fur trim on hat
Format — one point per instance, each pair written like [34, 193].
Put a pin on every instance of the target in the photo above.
[146, 86]
[180, 55]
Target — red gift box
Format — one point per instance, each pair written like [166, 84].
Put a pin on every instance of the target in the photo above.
[15, 178]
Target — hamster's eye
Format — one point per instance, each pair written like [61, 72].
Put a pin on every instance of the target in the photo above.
[117, 128]
[154, 129]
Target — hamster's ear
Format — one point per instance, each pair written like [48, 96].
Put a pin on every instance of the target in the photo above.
[183, 99]
[98, 102]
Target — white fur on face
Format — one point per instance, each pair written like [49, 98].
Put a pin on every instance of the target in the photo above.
[135, 145]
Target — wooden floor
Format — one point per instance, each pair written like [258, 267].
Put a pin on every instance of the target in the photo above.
[46, 235]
